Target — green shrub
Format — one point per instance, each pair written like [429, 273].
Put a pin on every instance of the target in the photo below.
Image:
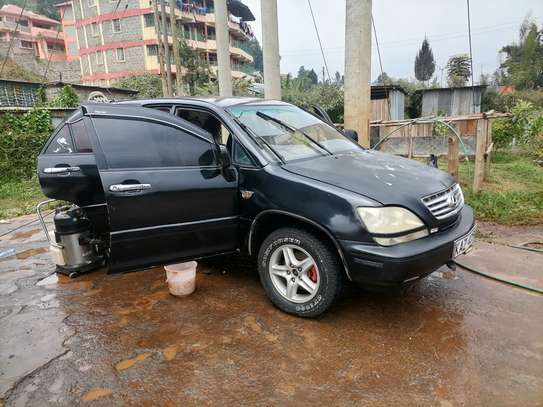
[21, 139]
[328, 96]
[524, 128]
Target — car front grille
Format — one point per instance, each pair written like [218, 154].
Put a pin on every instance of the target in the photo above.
[445, 203]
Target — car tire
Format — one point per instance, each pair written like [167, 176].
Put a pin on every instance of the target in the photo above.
[326, 274]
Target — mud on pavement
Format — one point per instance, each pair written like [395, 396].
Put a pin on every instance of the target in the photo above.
[455, 339]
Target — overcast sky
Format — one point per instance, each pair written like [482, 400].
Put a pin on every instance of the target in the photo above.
[401, 27]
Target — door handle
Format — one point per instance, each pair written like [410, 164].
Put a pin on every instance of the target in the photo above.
[129, 187]
[61, 170]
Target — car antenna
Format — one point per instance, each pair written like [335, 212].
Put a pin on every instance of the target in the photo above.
[292, 130]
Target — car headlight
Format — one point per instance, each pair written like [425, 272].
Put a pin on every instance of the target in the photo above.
[392, 225]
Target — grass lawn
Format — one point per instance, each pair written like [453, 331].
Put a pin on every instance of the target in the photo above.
[512, 193]
[19, 197]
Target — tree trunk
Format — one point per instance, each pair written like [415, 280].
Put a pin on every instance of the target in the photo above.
[176, 55]
[160, 50]
[168, 61]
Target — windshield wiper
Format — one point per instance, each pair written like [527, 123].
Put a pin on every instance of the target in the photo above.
[255, 136]
[291, 129]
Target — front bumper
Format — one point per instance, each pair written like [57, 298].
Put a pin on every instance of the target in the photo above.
[370, 264]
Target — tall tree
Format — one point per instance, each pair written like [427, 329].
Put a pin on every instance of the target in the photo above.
[197, 72]
[523, 64]
[255, 50]
[425, 65]
[313, 77]
[383, 79]
[458, 70]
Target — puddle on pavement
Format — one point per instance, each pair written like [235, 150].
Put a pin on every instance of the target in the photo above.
[94, 394]
[25, 254]
[56, 279]
[25, 234]
[128, 363]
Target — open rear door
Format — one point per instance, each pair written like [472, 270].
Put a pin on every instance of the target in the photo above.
[67, 167]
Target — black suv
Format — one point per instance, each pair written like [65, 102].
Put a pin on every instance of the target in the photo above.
[168, 180]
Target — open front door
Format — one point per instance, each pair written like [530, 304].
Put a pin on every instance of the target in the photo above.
[166, 195]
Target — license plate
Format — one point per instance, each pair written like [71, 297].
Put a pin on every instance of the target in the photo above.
[464, 244]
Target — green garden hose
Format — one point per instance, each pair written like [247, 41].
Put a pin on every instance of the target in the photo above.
[501, 280]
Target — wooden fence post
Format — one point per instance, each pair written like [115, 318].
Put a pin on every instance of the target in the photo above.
[480, 150]
[488, 148]
[412, 130]
[453, 160]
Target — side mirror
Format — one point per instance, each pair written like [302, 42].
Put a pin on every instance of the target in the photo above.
[351, 134]
[224, 156]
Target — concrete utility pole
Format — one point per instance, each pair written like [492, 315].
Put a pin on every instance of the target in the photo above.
[223, 48]
[160, 50]
[176, 55]
[270, 47]
[168, 61]
[358, 68]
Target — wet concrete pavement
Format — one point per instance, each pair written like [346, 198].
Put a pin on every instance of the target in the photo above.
[455, 339]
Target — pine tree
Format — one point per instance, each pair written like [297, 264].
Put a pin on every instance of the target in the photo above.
[424, 62]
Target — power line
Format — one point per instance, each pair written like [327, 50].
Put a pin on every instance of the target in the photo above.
[12, 38]
[319, 39]
[471, 57]
[381, 66]
[412, 41]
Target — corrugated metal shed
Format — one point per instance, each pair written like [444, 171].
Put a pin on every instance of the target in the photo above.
[452, 101]
[385, 97]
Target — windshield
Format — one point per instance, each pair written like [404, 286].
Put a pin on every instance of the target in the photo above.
[291, 132]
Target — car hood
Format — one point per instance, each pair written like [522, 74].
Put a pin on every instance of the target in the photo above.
[389, 179]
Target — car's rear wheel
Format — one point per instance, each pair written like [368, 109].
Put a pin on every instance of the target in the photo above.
[300, 273]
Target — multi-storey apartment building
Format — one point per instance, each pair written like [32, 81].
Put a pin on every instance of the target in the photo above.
[31, 34]
[116, 39]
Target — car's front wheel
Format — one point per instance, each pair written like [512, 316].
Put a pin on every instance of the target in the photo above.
[300, 273]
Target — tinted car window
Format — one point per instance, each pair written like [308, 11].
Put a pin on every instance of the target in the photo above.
[240, 156]
[62, 143]
[144, 144]
[80, 137]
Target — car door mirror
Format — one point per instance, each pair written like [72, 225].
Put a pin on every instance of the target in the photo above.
[351, 134]
[224, 156]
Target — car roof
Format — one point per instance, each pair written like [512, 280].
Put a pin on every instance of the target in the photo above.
[222, 102]
[116, 110]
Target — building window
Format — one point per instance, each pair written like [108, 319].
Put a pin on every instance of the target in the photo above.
[149, 20]
[116, 24]
[99, 58]
[91, 3]
[119, 53]
[94, 29]
[213, 59]
[26, 44]
[152, 50]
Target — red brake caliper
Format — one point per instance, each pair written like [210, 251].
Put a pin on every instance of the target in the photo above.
[312, 274]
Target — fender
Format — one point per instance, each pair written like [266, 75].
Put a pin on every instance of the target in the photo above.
[303, 219]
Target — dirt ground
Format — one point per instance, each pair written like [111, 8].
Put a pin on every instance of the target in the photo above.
[455, 339]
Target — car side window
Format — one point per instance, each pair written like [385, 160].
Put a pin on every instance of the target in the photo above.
[81, 137]
[62, 142]
[131, 143]
[240, 156]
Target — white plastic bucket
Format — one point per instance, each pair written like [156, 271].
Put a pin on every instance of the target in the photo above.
[181, 278]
